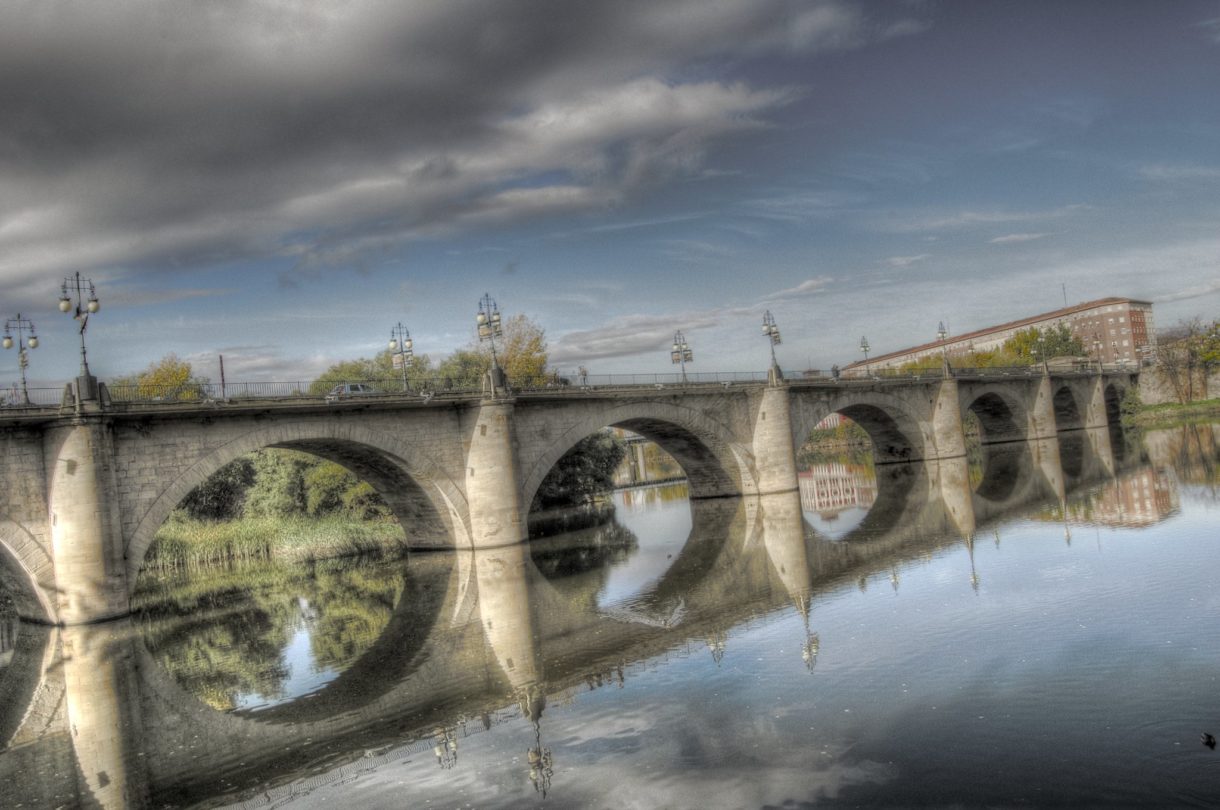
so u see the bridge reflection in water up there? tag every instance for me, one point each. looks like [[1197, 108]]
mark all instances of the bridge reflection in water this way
[[479, 639]]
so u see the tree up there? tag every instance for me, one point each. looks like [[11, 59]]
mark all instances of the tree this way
[[585, 472], [378, 371], [1036, 345], [169, 378], [522, 353], [279, 484], [1185, 353], [223, 495], [463, 369]]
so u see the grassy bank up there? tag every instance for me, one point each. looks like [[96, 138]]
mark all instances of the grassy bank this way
[[1169, 414], [184, 542]]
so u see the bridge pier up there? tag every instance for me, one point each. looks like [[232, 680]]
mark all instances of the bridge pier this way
[[947, 432], [1097, 425], [774, 456], [491, 478], [1044, 437], [86, 537]]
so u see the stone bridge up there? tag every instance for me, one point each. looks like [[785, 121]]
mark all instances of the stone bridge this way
[[84, 489], [475, 633]]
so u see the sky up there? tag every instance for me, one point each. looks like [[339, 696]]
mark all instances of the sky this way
[[281, 183]]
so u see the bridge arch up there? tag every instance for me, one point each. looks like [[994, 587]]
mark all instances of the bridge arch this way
[[1002, 416], [23, 560], [414, 488], [1068, 412], [701, 446], [897, 432]]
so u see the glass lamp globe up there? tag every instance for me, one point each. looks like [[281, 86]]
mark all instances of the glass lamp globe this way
[[93, 305], [32, 342], [8, 342], [65, 304]]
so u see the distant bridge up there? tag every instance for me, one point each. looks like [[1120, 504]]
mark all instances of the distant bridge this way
[[84, 486]]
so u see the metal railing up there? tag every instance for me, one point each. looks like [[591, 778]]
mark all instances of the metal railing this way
[[438, 386]]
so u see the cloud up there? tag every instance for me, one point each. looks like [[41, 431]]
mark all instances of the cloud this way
[[905, 261], [1016, 237], [195, 134], [1178, 172], [1212, 28], [967, 219], [646, 334]]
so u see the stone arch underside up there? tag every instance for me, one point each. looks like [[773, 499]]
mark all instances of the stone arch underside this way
[[1001, 418], [897, 431], [26, 573], [1068, 413], [430, 508], [1113, 395], [701, 447], [895, 438]]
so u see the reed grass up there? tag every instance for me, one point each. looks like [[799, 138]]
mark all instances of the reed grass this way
[[183, 543]]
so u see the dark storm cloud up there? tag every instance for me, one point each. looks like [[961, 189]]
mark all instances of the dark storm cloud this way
[[177, 134]]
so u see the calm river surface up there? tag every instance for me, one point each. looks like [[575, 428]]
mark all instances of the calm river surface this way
[[1027, 631]]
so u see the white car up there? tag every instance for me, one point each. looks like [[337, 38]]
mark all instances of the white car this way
[[348, 390]]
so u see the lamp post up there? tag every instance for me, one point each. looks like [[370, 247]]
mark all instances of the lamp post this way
[[681, 353], [941, 334], [21, 325], [488, 321], [401, 349], [771, 332], [74, 287], [864, 347]]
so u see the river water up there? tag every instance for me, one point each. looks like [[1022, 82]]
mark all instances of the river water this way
[[1015, 632]]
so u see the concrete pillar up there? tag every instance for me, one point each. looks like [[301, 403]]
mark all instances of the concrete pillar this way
[[947, 432], [1042, 411], [491, 479], [103, 713], [1097, 425], [86, 537], [774, 457], [1095, 413]]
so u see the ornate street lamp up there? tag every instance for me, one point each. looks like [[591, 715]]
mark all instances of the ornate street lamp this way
[[21, 325], [402, 350], [488, 322], [864, 347], [941, 334], [681, 353], [74, 287], [771, 332]]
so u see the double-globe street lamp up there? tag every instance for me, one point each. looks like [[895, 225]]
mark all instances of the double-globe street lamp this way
[[864, 347], [21, 325], [681, 353], [488, 321], [75, 286], [401, 350], [771, 333]]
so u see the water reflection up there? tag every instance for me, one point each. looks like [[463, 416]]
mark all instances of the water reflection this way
[[500, 670]]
